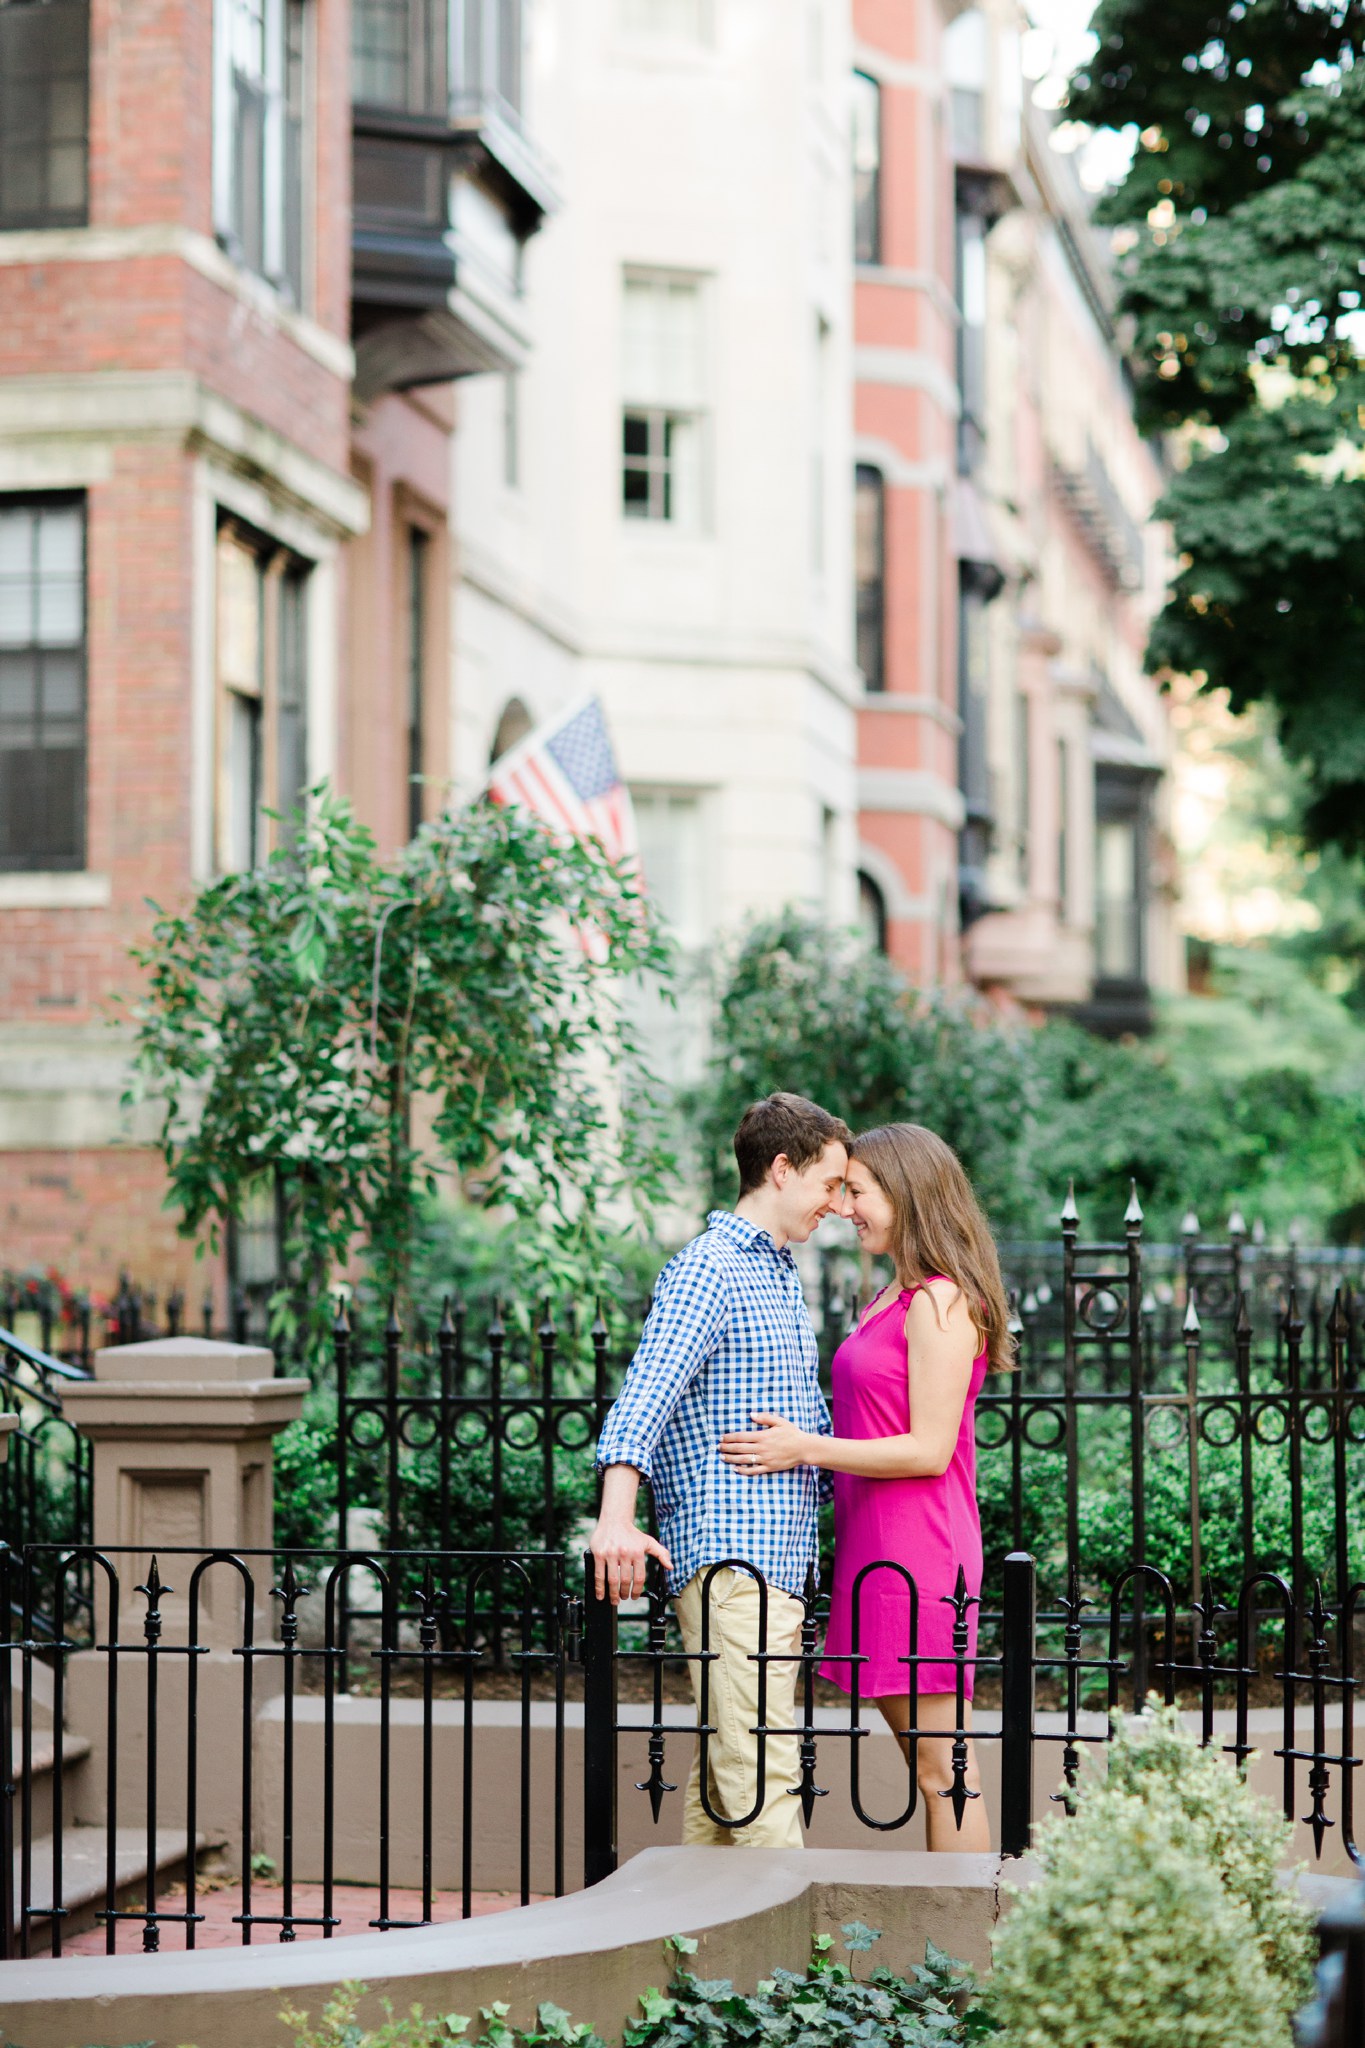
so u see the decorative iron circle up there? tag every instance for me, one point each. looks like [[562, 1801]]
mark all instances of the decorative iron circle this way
[[1308, 1425], [1168, 1427], [1033, 1417], [1275, 1412], [579, 1434], [419, 1428], [471, 1428], [1355, 1422], [516, 1422], [1227, 1416], [1104, 1307], [997, 1418], [366, 1427]]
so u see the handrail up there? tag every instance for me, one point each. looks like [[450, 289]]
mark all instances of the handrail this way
[[43, 1361]]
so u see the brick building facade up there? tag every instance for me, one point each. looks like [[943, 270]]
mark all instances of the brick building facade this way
[[226, 404]]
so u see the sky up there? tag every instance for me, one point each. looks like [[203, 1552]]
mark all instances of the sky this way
[[1059, 40]]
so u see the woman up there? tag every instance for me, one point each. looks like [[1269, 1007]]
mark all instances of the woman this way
[[903, 1450]]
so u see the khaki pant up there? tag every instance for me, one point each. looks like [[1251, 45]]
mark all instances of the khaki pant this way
[[732, 1710]]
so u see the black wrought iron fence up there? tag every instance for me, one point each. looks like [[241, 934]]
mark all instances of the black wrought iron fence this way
[[192, 1765], [198, 1716], [1230, 1445], [1198, 1407], [1215, 1658]]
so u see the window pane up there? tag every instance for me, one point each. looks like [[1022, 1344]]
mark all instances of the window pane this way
[[869, 574], [16, 579], [63, 684], [292, 716], [44, 60], [1117, 947], [18, 686], [42, 684], [867, 164], [636, 434], [240, 616], [59, 611], [662, 342], [244, 761], [682, 495]]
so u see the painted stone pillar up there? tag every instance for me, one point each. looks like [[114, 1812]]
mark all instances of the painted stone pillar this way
[[182, 1431]]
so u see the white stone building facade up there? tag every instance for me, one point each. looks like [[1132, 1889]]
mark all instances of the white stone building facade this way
[[658, 507]]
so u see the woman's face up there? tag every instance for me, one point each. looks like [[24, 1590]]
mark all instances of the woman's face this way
[[867, 1208]]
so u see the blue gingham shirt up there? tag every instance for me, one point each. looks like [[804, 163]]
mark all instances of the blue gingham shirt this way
[[728, 1337]]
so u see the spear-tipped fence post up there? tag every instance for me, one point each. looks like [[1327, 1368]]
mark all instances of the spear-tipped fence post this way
[[445, 1356], [341, 1354], [1018, 1650], [497, 1339], [1137, 1422], [1070, 1226], [393, 1357], [1338, 1336], [1241, 1351], [599, 1731], [1292, 1328], [1191, 1333], [547, 1337]]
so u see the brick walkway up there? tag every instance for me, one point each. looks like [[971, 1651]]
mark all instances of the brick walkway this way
[[354, 1905]]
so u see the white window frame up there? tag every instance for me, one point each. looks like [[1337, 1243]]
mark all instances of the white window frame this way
[[661, 413], [275, 87]]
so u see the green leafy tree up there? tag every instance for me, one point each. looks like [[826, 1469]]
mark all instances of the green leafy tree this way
[[802, 1007], [357, 1030], [1244, 284], [1251, 1098]]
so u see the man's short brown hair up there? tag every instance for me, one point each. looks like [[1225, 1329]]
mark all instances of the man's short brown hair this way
[[787, 1124]]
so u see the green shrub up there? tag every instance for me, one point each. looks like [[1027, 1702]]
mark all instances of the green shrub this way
[[824, 2007], [1158, 1921]]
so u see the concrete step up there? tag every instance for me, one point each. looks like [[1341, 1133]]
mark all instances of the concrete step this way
[[84, 1851], [43, 1757]]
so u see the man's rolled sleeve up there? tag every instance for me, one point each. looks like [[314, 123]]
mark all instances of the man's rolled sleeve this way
[[680, 1334]]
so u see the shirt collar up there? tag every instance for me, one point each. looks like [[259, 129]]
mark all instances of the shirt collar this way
[[747, 1236]]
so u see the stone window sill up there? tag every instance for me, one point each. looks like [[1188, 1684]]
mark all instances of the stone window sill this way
[[58, 890]]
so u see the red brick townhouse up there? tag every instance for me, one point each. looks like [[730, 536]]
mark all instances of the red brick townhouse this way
[[246, 247]]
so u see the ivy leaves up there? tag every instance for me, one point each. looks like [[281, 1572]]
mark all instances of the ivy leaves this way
[[357, 1031], [824, 2007]]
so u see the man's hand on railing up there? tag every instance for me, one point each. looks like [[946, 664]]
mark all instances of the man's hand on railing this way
[[620, 1554]]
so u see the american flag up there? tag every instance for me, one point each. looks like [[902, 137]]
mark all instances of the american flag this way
[[565, 771]]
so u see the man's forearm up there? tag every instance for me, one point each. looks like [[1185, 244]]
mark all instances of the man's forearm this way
[[620, 1491]]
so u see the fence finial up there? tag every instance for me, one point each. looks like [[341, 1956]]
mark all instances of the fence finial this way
[[1338, 1323], [1133, 1213], [1191, 1325], [446, 1326], [341, 1322], [1241, 1321], [1070, 1214], [1189, 1224], [393, 1328], [1237, 1225]]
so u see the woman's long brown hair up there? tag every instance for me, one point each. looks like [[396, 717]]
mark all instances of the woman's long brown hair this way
[[939, 1227]]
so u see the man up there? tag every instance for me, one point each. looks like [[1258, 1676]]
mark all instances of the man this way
[[729, 1338]]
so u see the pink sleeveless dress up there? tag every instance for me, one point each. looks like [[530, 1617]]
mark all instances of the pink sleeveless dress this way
[[929, 1525]]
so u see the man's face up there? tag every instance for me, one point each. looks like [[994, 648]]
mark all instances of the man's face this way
[[812, 1192]]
